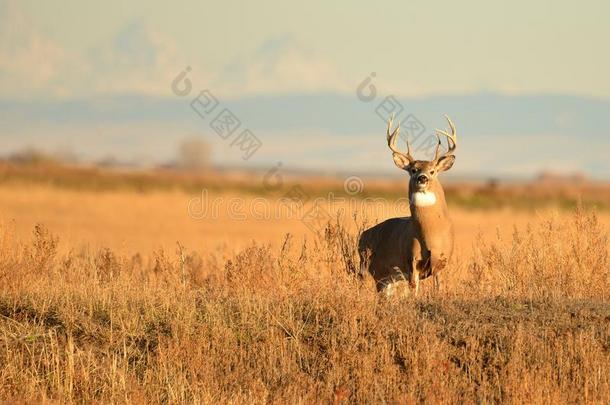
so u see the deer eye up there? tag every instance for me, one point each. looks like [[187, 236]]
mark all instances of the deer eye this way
[[432, 172]]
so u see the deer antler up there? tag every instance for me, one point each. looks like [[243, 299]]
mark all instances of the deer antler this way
[[451, 140], [392, 141]]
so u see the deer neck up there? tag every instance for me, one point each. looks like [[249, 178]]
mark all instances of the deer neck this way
[[429, 210]]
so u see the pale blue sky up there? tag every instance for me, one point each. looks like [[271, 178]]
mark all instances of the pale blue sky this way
[[525, 78], [415, 47]]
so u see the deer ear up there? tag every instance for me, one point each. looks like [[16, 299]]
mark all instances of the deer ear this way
[[401, 161], [445, 163]]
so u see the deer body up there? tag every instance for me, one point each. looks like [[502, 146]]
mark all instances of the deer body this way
[[416, 247]]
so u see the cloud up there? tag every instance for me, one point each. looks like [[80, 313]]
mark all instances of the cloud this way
[[29, 62], [282, 65], [138, 60]]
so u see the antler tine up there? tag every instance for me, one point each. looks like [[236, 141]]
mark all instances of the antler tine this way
[[451, 139], [392, 140]]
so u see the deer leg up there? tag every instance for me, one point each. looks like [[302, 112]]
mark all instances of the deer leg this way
[[437, 283], [414, 277], [436, 265]]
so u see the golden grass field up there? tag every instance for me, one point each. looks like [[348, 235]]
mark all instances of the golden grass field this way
[[112, 290]]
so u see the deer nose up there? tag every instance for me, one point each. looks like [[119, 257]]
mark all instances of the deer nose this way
[[422, 179]]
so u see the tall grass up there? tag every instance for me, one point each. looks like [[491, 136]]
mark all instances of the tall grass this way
[[526, 320], [558, 259]]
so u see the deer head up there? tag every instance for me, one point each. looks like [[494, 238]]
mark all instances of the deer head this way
[[424, 183]]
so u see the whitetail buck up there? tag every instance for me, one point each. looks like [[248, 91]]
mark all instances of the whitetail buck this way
[[416, 247]]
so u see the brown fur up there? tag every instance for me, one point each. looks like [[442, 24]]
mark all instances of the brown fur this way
[[394, 249]]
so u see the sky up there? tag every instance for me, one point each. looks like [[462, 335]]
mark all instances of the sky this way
[[82, 56]]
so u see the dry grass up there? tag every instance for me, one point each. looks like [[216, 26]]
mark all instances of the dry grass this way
[[100, 304], [490, 194], [523, 319]]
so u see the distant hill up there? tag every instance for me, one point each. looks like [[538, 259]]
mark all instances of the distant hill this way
[[483, 113], [499, 134]]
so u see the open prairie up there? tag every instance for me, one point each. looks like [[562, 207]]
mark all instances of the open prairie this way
[[119, 287], [271, 202]]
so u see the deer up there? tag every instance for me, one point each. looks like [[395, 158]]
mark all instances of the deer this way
[[416, 247]]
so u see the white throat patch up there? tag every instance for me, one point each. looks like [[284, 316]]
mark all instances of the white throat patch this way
[[423, 198]]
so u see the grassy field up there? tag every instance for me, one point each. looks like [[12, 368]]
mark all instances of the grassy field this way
[[120, 287]]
